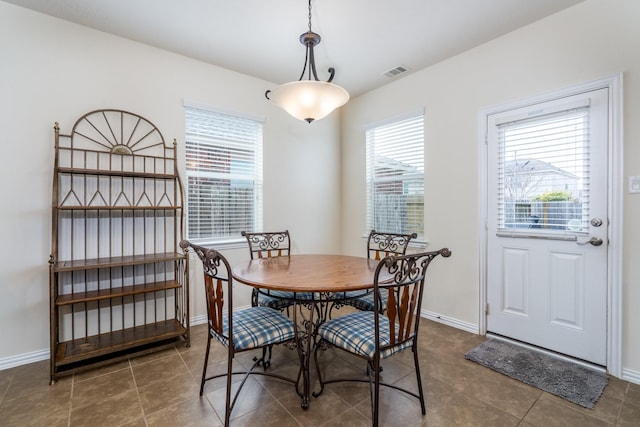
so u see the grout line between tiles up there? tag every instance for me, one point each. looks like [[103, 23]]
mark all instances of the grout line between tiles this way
[[73, 384], [135, 384]]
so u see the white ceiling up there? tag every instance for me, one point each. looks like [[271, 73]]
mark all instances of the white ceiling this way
[[362, 39]]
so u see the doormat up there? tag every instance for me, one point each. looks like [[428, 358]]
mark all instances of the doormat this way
[[571, 381]]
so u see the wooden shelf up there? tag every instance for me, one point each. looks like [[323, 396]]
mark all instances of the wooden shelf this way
[[118, 292], [107, 262], [69, 352]]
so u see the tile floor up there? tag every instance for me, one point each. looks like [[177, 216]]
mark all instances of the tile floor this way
[[162, 390]]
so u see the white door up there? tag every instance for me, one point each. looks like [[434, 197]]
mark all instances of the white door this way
[[547, 225]]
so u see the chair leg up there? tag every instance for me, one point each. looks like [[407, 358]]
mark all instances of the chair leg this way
[[227, 408], [264, 361], [419, 378], [376, 393], [206, 361]]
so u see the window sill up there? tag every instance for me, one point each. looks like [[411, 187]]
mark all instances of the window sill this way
[[222, 244]]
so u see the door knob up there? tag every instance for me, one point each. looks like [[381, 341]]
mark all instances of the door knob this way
[[593, 240]]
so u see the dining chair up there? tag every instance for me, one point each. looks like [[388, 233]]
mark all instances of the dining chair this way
[[267, 245], [374, 335], [251, 328], [379, 245]]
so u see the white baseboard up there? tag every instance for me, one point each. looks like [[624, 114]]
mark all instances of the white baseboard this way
[[198, 320], [450, 321], [631, 376], [23, 359]]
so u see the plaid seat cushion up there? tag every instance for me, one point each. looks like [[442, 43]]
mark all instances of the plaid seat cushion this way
[[280, 299], [256, 327], [355, 333], [363, 302]]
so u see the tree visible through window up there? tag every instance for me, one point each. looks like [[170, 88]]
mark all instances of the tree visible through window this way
[[224, 175], [395, 176]]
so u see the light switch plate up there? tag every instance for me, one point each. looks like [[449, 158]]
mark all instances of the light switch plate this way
[[634, 184]]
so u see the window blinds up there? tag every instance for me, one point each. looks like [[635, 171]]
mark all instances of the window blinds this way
[[224, 174], [543, 175], [395, 176]]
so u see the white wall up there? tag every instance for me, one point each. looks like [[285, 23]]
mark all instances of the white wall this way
[[594, 39], [53, 70]]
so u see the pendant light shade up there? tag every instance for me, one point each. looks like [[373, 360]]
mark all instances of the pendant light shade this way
[[310, 99]]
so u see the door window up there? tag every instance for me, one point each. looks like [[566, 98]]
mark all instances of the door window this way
[[543, 170]]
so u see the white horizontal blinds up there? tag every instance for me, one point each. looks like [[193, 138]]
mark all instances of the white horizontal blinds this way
[[395, 176], [224, 174], [544, 171]]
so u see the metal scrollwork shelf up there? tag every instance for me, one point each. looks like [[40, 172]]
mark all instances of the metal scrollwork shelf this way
[[118, 279]]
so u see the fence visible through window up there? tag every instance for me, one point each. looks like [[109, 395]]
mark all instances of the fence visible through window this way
[[558, 215]]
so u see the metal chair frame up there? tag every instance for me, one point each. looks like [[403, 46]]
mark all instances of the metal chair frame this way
[[379, 245], [382, 244], [268, 244], [403, 276], [218, 282]]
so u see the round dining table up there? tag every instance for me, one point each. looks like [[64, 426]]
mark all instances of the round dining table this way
[[319, 280], [308, 273]]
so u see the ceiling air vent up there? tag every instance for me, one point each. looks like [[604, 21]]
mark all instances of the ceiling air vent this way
[[395, 71]]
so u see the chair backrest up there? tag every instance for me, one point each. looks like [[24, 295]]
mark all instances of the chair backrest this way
[[380, 245], [268, 244], [218, 285], [403, 276]]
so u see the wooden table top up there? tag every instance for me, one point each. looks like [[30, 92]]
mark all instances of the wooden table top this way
[[308, 273]]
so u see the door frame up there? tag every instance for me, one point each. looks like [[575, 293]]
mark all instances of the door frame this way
[[615, 192]]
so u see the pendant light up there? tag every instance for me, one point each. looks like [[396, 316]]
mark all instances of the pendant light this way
[[309, 99]]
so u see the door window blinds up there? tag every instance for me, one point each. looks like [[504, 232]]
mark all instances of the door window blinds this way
[[224, 175], [543, 170], [395, 176]]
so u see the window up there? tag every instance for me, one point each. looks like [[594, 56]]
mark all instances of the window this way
[[224, 175], [543, 169], [395, 176]]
